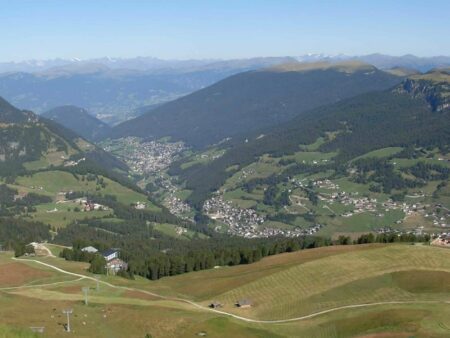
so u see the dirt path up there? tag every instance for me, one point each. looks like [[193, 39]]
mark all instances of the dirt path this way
[[327, 207], [250, 320], [42, 247], [39, 285]]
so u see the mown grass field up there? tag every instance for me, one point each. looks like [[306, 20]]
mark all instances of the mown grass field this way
[[380, 153], [202, 158], [282, 286], [360, 223], [354, 277]]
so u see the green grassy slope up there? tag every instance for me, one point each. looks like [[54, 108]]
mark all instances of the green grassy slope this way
[[280, 286], [359, 277]]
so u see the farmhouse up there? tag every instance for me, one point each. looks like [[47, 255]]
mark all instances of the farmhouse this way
[[215, 305], [140, 206], [110, 254], [244, 303], [113, 262], [116, 264], [89, 249]]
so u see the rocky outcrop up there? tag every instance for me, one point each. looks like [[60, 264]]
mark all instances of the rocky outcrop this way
[[437, 94]]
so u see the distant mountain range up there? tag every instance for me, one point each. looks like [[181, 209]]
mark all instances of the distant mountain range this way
[[382, 61], [116, 94], [116, 89], [256, 99]]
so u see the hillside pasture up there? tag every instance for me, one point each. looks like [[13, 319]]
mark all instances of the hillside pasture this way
[[339, 280], [14, 273], [263, 168], [62, 214], [310, 157], [380, 153], [51, 183], [283, 286], [203, 285], [363, 223]]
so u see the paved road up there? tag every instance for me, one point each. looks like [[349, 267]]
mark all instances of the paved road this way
[[202, 307]]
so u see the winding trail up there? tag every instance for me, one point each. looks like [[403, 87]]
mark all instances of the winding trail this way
[[204, 308], [40, 246]]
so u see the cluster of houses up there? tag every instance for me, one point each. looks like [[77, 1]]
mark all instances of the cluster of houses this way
[[87, 205], [244, 173], [266, 232], [209, 156], [111, 256], [359, 204], [139, 205], [325, 184], [442, 239], [241, 222], [177, 206], [74, 163], [180, 231], [147, 157], [440, 216], [247, 223]]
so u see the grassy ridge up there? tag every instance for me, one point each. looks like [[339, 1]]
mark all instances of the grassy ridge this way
[[327, 283]]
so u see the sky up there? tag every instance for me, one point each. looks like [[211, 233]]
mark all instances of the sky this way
[[193, 29]]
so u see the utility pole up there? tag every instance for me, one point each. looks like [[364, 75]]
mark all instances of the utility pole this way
[[68, 312], [85, 291]]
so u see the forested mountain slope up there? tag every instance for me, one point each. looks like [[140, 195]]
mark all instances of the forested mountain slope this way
[[253, 100], [30, 142], [78, 120], [416, 112]]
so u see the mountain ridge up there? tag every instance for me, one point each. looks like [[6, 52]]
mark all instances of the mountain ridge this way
[[252, 100], [79, 120], [33, 142], [366, 122]]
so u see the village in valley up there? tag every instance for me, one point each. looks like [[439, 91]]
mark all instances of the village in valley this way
[[339, 205], [145, 157], [246, 222], [151, 159]]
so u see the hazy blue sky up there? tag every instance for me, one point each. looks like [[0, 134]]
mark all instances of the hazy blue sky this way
[[220, 29]]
